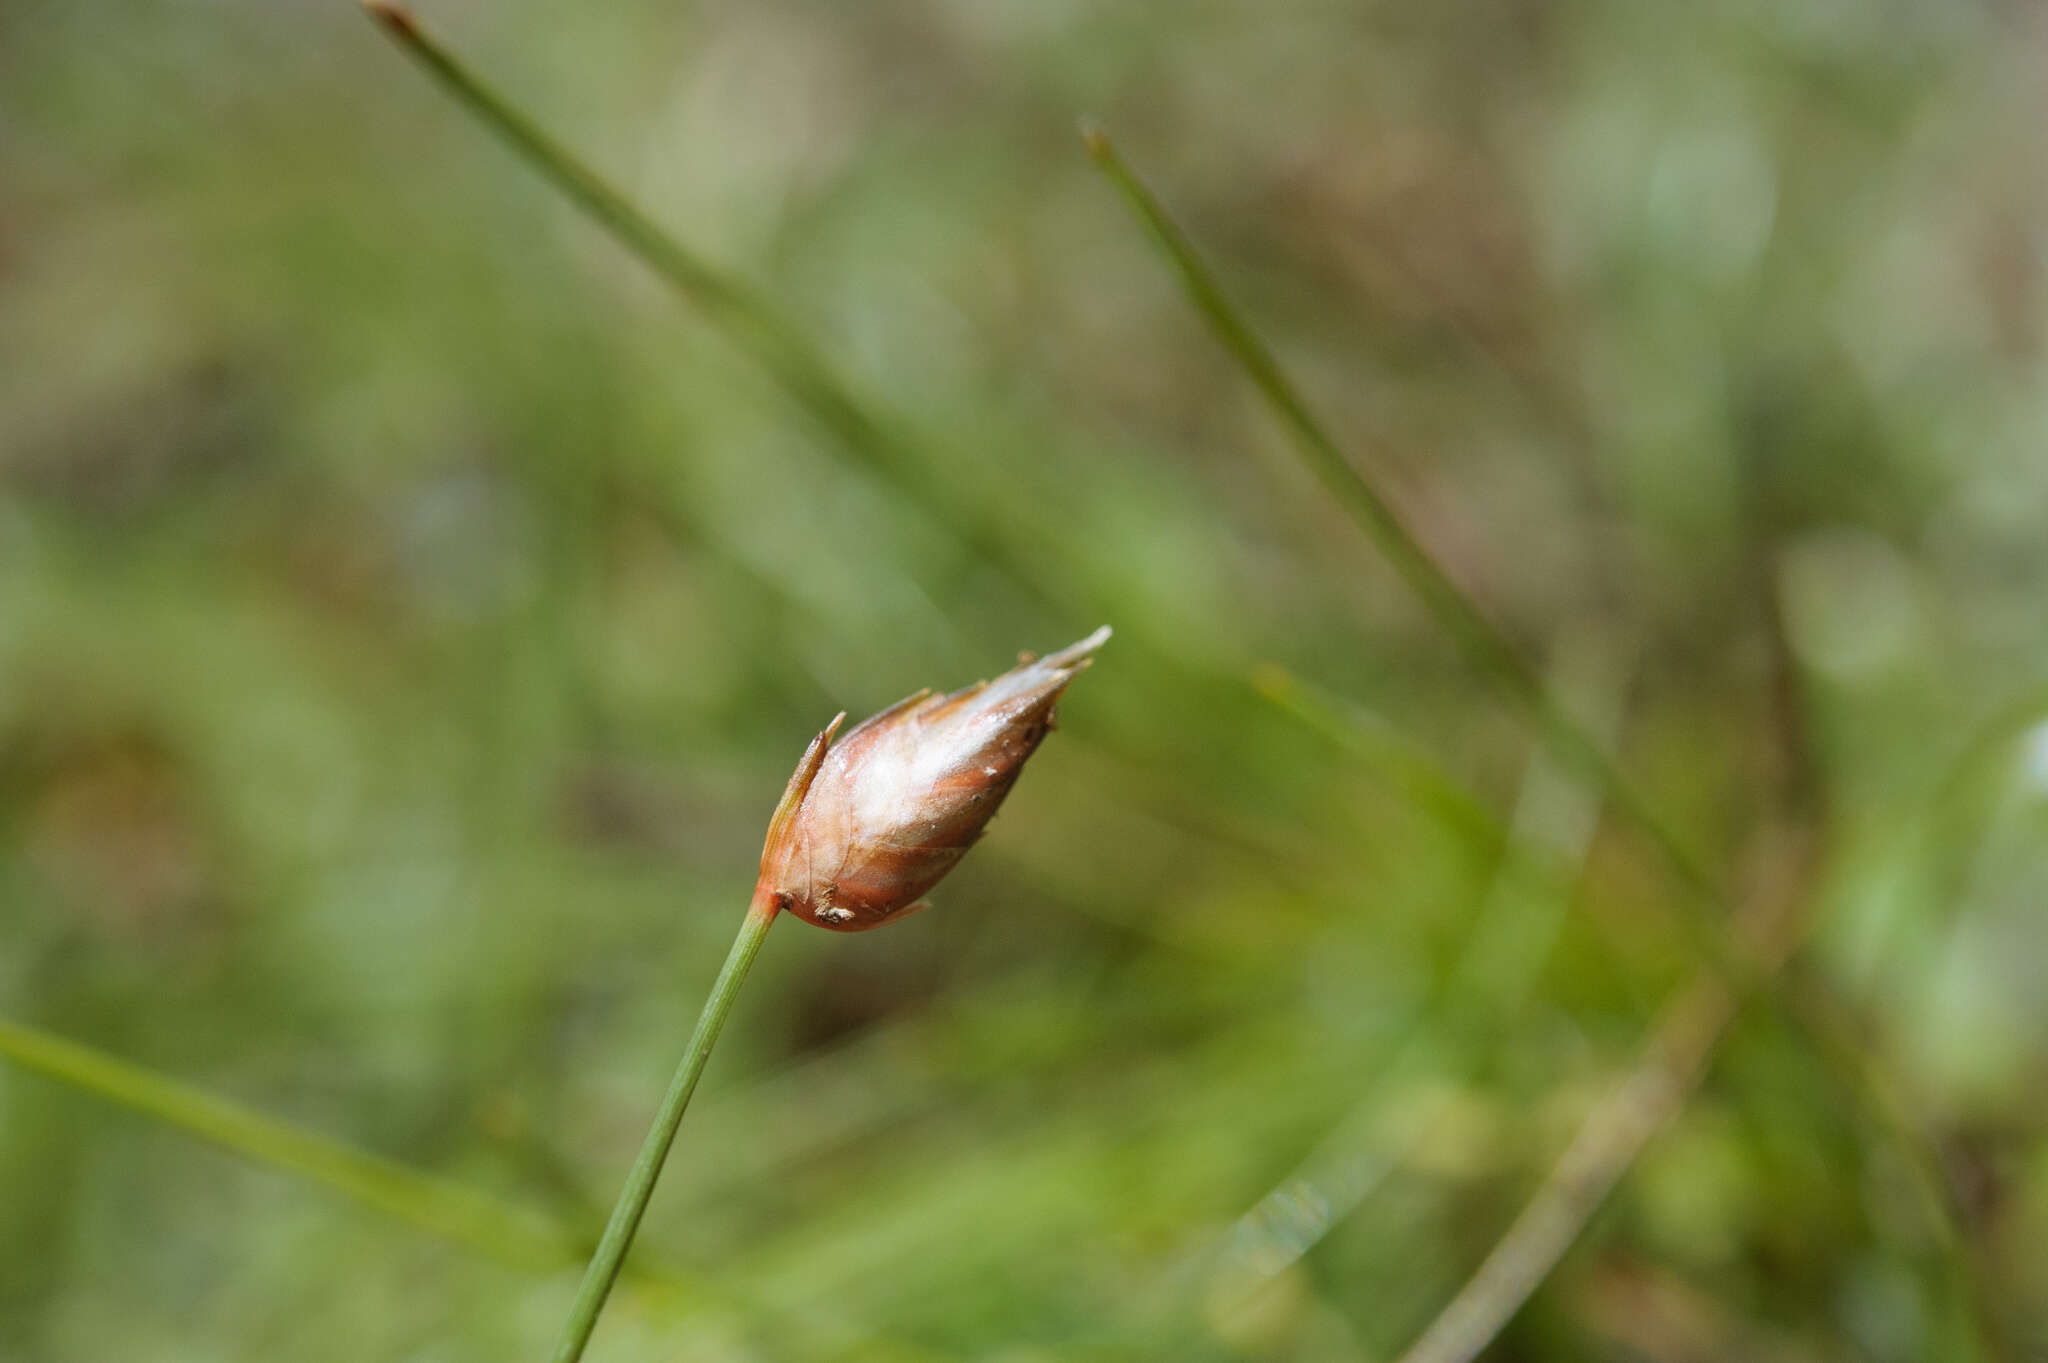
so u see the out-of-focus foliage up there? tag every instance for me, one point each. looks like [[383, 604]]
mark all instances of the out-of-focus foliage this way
[[409, 613]]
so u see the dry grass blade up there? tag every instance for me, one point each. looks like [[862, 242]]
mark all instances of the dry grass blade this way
[[1607, 1144], [1767, 929], [1615, 1132]]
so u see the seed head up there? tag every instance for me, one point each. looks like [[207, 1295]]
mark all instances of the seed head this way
[[871, 823]]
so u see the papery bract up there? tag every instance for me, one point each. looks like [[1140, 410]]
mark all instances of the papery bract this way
[[869, 824]]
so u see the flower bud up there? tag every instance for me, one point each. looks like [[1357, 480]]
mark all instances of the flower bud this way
[[871, 823]]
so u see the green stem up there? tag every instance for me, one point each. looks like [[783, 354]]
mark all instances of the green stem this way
[[742, 312], [1482, 642], [1825, 1020], [738, 308], [632, 1205]]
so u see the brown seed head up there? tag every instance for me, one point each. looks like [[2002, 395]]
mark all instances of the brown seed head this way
[[871, 823]]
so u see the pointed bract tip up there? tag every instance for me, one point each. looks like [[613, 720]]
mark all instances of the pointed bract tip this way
[[1075, 655], [1093, 137], [799, 786]]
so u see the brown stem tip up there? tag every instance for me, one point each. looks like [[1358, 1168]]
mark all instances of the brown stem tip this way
[[871, 823], [395, 17]]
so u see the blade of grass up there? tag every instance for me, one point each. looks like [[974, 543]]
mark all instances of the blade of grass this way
[[1485, 987], [516, 1237], [444, 1208], [1482, 642], [1485, 646], [1617, 1129], [1405, 764], [1825, 1021], [744, 314], [749, 317], [1768, 929], [754, 322], [1606, 1145]]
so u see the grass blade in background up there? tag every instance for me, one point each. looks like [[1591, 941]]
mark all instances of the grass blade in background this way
[[750, 318], [441, 1207], [517, 1237], [1542, 858], [1477, 636], [745, 315], [1823, 1019], [1646, 1100], [1488, 650]]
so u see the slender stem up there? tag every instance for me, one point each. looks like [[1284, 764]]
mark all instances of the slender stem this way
[[737, 307], [1485, 646], [1482, 641], [1606, 1145], [1825, 1020], [1615, 1131], [1403, 763], [742, 312], [632, 1204], [1373, 511]]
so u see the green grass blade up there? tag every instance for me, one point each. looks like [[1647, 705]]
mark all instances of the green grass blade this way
[[1406, 766], [514, 1236], [745, 315], [1817, 1013], [1374, 513], [751, 318], [439, 1206], [1482, 642]]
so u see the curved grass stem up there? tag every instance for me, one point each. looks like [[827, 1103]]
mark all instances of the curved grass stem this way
[[632, 1204]]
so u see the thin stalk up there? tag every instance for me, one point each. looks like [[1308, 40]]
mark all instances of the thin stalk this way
[[1614, 1133], [632, 1205], [1824, 1020], [1019, 553], [514, 1236], [1482, 642], [1506, 944], [1404, 764], [1486, 648], [742, 312], [758, 324], [1681, 1046], [1608, 1141]]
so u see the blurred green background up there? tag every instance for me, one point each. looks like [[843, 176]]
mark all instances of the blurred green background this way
[[410, 611]]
